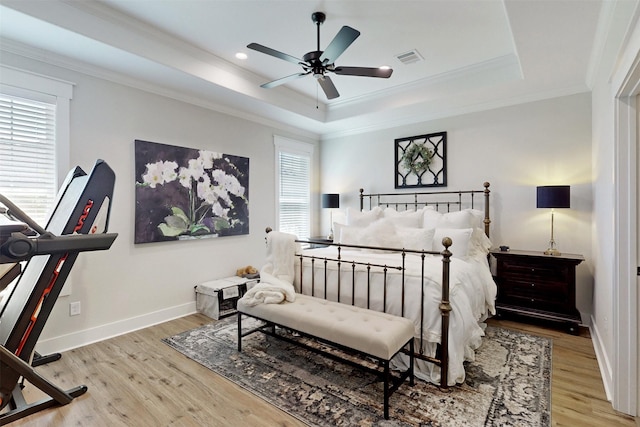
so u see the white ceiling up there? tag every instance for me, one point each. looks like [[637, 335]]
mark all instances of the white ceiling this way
[[477, 53]]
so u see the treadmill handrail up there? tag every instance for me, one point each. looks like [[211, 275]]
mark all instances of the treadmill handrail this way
[[20, 215], [19, 247]]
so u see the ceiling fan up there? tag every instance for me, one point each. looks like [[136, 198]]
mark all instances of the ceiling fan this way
[[319, 63]]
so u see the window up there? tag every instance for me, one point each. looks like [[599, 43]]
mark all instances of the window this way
[[27, 154], [293, 186], [34, 134]]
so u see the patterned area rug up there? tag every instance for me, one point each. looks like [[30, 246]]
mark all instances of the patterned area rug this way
[[507, 385]]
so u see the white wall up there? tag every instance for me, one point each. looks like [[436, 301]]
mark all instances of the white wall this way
[[515, 149], [613, 318], [131, 286], [623, 18]]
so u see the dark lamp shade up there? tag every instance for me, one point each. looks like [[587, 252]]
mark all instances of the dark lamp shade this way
[[554, 196], [331, 200]]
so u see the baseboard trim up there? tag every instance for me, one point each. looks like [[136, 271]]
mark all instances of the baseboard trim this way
[[100, 333], [606, 371]]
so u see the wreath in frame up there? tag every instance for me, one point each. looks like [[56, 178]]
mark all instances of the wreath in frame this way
[[421, 161], [417, 158]]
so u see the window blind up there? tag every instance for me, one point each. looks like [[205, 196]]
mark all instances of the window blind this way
[[293, 196], [27, 155]]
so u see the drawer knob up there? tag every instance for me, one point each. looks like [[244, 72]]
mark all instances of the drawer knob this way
[[533, 300], [533, 285]]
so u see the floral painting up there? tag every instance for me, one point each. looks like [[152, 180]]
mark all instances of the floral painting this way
[[185, 193]]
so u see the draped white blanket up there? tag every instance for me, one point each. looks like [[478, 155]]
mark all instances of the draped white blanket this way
[[276, 276], [270, 290]]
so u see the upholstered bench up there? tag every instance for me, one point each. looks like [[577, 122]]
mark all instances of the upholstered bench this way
[[371, 333]]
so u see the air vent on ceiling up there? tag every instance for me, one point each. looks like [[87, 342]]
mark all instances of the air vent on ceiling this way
[[410, 57]]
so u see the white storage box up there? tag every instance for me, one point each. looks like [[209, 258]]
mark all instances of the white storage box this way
[[219, 298]]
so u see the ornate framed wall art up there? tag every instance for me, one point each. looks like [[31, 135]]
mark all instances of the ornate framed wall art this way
[[421, 161], [185, 193]]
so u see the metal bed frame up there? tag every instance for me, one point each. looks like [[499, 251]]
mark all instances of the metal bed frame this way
[[442, 201]]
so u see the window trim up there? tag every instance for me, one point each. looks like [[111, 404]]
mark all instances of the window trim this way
[[288, 145]]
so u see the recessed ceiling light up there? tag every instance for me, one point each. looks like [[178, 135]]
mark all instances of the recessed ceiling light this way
[[241, 55]]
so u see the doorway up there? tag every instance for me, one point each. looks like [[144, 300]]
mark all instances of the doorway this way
[[626, 321]]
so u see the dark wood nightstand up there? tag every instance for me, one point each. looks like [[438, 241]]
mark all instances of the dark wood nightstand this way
[[536, 285]]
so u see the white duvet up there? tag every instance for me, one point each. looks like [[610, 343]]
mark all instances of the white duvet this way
[[472, 295]]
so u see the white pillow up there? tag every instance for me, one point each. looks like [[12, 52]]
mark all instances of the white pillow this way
[[381, 233], [466, 218], [350, 235], [363, 218], [339, 215], [460, 238], [409, 218], [417, 239], [477, 218], [337, 231], [479, 243], [456, 219]]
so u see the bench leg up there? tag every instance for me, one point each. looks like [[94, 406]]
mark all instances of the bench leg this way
[[387, 376], [411, 358], [239, 331]]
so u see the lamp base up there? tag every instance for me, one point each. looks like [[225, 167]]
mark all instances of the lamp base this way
[[552, 251]]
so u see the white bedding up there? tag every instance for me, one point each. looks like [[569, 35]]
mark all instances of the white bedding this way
[[472, 296]]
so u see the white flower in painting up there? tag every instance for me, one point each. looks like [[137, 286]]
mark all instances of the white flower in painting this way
[[160, 173], [169, 173], [153, 175], [232, 185], [195, 169], [203, 189], [220, 194], [207, 157], [184, 177], [219, 211], [228, 182]]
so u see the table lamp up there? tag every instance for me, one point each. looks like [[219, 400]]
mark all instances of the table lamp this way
[[331, 201], [553, 196]]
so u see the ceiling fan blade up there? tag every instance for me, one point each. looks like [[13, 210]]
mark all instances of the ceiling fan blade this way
[[273, 52], [339, 44], [328, 87], [364, 72], [283, 80]]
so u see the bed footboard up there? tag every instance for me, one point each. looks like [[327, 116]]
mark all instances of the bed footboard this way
[[334, 278]]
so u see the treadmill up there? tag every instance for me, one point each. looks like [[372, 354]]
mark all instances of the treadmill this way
[[34, 265]]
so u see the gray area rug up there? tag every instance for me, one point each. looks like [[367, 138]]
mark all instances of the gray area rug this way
[[507, 385]]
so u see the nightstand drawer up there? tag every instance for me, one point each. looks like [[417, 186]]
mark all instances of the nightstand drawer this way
[[534, 294], [517, 269]]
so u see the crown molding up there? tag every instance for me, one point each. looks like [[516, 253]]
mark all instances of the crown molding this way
[[49, 58], [430, 112]]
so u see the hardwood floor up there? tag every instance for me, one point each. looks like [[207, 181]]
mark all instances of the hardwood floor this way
[[577, 392], [136, 380]]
